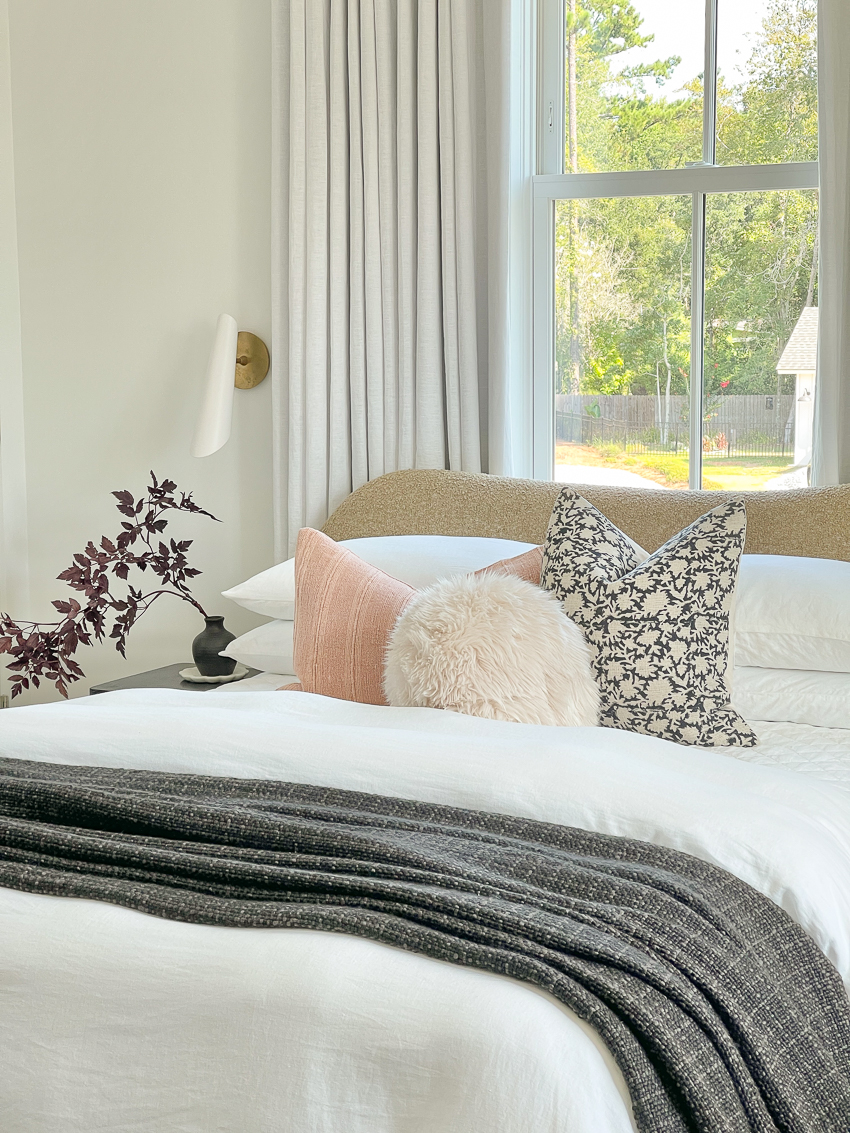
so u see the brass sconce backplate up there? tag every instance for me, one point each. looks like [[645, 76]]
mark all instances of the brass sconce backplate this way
[[252, 360]]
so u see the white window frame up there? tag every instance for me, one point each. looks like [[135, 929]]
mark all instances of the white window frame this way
[[551, 184]]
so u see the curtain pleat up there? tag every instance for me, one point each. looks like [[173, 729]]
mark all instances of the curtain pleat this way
[[429, 413], [408, 160], [281, 153], [297, 258], [463, 87], [358, 439], [340, 414], [449, 231], [387, 98], [831, 450], [380, 275], [372, 243]]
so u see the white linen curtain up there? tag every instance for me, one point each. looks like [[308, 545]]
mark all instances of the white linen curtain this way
[[388, 208], [831, 452]]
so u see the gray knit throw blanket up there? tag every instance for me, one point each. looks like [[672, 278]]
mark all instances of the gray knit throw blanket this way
[[721, 1012]]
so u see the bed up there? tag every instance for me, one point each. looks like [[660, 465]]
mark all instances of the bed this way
[[114, 1020]]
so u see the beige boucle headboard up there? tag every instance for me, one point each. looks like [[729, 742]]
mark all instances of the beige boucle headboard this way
[[812, 522]]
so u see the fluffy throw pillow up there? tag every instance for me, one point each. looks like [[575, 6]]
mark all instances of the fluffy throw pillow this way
[[658, 630], [491, 645], [345, 612]]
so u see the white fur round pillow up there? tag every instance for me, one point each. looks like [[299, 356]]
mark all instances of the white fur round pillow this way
[[495, 646]]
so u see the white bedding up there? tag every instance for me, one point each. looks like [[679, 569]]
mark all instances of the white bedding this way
[[821, 753], [112, 1020]]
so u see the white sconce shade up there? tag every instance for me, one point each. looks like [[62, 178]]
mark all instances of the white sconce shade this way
[[216, 415]]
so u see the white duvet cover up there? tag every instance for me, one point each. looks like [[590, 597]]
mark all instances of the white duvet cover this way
[[113, 1020]]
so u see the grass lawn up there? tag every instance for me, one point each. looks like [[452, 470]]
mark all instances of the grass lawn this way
[[742, 473]]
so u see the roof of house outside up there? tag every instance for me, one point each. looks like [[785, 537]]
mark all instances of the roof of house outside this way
[[800, 355]]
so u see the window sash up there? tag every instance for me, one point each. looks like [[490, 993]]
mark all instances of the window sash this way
[[552, 184], [677, 182]]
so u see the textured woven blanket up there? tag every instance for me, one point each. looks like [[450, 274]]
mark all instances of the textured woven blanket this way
[[721, 1012]]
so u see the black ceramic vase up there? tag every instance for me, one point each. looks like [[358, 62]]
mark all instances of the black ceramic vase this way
[[207, 646]]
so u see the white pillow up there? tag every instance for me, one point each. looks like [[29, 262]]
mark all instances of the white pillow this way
[[418, 560], [268, 647], [793, 695], [793, 613]]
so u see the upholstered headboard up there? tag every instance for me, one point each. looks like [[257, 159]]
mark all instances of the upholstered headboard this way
[[808, 521]]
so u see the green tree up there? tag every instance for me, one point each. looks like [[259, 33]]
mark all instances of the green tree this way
[[622, 290]]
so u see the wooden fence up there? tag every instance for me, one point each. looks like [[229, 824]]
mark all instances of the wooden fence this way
[[735, 425]]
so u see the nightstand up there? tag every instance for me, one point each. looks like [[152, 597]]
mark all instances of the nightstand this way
[[166, 677]]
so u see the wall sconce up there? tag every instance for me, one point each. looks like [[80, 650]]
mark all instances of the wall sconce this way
[[238, 359]]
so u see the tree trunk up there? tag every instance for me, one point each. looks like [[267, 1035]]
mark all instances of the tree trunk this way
[[572, 86], [575, 311], [667, 390], [659, 416]]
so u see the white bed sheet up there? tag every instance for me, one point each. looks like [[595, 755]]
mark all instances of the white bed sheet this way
[[115, 1020], [821, 753]]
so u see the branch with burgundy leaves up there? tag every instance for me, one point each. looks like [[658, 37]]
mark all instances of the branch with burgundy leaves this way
[[44, 651]]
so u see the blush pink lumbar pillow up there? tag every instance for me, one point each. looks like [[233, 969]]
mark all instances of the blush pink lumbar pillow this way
[[528, 566], [495, 645], [345, 610]]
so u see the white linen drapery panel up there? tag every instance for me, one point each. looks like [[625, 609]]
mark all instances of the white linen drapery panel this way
[[831, 456], [382, 214]]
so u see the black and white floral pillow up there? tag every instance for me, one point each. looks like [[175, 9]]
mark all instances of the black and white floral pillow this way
[[658, 629]]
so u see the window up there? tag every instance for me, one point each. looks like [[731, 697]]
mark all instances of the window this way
[[676, 242]]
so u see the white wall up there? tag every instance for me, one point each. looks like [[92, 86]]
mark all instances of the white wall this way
[[141, 208]]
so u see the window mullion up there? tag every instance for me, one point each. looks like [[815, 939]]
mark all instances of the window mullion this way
[[709, 153], [697, 368], [709, 86], [543, 337]]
